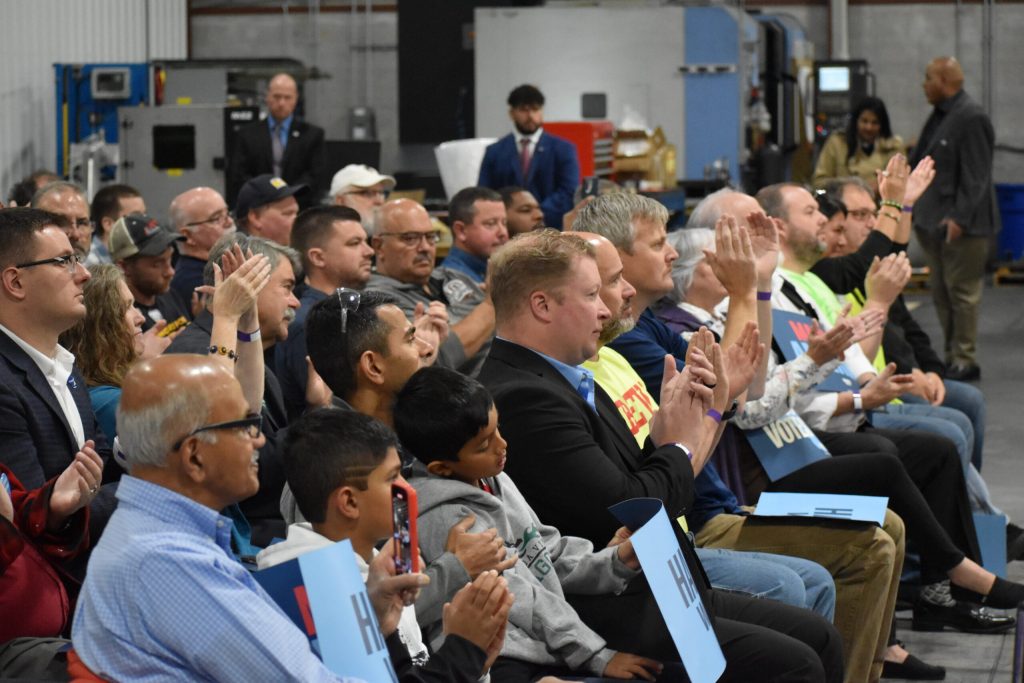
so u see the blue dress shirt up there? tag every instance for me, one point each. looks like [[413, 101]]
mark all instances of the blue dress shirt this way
[[163, 600], [464, 262]]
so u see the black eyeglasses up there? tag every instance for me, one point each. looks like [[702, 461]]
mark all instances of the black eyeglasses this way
[[219, 217], [412, 239], [349, 300], [70, 262], [252, 425]]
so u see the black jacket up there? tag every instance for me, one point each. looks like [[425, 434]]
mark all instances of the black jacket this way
[[303, 161]]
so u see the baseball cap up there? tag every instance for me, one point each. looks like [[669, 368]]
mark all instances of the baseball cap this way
[[262, 190], [140, 235], [358, 175]]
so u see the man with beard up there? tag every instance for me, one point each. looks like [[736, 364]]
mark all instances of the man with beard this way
[[546, 165], [142, 249]]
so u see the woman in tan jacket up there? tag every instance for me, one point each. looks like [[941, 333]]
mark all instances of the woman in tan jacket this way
[[863, 148]]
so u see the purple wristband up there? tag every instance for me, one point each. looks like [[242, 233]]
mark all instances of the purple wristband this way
[[764, 296], [908, 208], [715, 415]]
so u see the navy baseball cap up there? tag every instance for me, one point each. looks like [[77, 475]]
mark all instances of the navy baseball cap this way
[[262, 190]]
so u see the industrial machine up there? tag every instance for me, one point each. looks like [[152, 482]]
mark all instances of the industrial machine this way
[[838, 86], [698, 72]]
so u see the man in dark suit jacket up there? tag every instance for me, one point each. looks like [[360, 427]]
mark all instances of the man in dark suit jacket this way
[[280, 144], [956, 216], [546, 165], [45, 413], [572, 455]]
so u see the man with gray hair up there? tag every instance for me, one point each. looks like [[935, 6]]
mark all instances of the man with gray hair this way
[[276, 307], [68, 200], [163, 595]]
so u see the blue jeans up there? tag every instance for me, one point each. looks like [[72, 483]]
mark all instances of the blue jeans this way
[[950, 423], [969, 400], [791, 580]]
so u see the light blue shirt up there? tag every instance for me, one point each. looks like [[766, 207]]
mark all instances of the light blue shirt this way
[[581, 379], [283, 130], [163, 600]]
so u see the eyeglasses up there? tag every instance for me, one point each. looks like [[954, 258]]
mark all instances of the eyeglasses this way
[[252, 425], [349, 300], [70, 262], [219, 217], [370, 194], [80, 224], [412, 239], [861, 214]]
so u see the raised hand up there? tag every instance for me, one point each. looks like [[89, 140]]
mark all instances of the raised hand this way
[[479, 552], [235, 295], [732, 262], [318, 394], [892, 182], [742, 360], [76, 486], [919, 180], [886, 279], [764, 237], [431, 323]]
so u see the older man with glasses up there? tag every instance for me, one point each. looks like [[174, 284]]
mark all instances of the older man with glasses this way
[[406, 248], [201, 215], [68, 200], [362, 188]]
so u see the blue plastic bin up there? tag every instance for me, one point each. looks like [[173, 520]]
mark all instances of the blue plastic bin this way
[[1011, 208]]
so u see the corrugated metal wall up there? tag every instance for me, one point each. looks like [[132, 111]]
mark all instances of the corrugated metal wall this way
[[35, 34]]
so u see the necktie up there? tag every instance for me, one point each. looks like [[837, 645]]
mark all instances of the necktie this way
[[524, 157], [276, 148]]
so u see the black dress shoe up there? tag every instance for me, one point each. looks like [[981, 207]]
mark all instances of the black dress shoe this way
[[913, 669], [963, 373], [960, 616]]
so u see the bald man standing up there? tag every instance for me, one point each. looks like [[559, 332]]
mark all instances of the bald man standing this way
[[956, 216], [279, 144]]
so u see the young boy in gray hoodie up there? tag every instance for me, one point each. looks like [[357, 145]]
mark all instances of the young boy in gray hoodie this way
[[449, 422]]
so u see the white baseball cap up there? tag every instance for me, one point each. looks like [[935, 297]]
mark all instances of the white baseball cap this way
[[358, 175]]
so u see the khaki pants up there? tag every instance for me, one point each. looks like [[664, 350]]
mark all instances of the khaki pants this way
[[865, 563], [957, 274]]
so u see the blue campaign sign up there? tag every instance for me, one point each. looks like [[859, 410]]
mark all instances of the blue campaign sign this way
[[831, 505], [785, 445], [670, 580], [325, 591], [791, 331]]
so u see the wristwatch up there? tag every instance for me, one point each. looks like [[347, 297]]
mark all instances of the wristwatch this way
[[858, 403]]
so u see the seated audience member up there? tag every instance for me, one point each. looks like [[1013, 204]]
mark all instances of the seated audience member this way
[[41, 531], [340, 466], [332, 244], [68, 200], [108, 204], [380, 351], [267, 207], [405, 243], [259, 331], [143, 249], [202, 218], [362, 188], [477, 217], [792, 580], [163, 597], [450, 423], [522, 209], [23, 191], [867, 579], [44, 404], [863, 149], [572, 456]]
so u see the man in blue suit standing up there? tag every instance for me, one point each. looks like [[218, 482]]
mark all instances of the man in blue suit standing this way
[[544, 164]]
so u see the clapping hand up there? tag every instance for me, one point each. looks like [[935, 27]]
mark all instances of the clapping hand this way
[[892, 182], [732, 261], [76, 486], [919, 180], [764, 237]]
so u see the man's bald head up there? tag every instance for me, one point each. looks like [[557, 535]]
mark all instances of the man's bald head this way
[[943, 78], [165, 398], [405, 242], [282, 96], [717, 204]]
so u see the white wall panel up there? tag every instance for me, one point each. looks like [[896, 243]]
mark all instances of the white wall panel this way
[[35, 34]]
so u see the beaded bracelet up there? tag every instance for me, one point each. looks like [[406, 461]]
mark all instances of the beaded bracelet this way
[[893, 203], [890, 215], [224, 351]]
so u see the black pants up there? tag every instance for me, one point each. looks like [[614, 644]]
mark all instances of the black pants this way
[[762, 640], [921, 475]]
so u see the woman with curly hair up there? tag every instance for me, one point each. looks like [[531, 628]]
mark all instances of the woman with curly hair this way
[[863, 149]]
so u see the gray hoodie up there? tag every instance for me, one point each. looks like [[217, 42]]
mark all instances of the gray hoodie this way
[[543, 628]]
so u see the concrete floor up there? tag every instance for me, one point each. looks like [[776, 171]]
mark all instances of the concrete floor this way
[[973, 658]]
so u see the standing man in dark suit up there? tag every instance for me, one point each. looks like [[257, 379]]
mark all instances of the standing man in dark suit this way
[[956, 216], [45, 414], [545, 165], [279, 145], [572, 455]]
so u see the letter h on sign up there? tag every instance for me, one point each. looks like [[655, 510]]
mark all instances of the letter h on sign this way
[[372, 639], [684, 583]]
